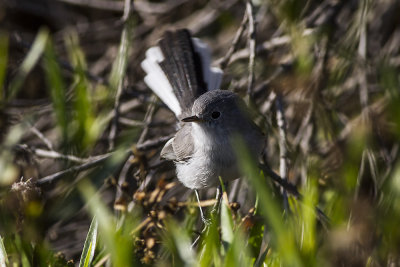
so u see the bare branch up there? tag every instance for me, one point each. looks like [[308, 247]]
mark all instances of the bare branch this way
[[51, 154], [85, 166], [252, 46], [223, 62], [283, 168]]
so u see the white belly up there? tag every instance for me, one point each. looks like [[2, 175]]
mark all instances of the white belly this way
[[211, 159]]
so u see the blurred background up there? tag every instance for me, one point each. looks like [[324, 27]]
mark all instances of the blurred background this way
[[80, 134]]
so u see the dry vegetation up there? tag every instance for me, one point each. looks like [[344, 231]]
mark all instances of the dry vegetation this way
[[80, 134]]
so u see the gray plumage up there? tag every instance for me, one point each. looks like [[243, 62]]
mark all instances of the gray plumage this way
[[179, 151], [202, 147]]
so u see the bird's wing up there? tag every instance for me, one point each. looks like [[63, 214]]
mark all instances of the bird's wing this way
[[181, 147]]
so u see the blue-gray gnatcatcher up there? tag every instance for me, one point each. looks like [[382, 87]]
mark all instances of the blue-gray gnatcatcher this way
[[179, 72]]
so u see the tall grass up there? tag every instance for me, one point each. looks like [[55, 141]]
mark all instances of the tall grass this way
[[342, 110]]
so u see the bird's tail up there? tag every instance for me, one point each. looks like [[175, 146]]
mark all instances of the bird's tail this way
[[179, 70]]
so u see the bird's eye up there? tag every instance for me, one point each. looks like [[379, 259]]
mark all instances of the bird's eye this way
[[215, 115]]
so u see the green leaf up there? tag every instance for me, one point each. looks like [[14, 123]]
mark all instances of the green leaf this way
[[90, 245]]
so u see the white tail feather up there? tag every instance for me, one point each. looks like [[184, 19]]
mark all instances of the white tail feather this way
[[158, 81], [211, 75], [215, 79]]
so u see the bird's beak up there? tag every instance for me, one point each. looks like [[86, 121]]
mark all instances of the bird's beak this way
[[191, 119]]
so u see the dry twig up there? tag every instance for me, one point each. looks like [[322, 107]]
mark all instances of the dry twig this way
[[252, 46]]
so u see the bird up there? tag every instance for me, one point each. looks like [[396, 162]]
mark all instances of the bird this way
[[178, 70]]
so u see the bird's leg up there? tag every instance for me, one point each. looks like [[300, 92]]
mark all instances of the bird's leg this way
[[215, 208], [218, 197], [214, 211], [203, 218]]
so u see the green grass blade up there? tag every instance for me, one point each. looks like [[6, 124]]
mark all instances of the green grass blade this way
[[117, 240], [3, 254], [83, 104], [57, 87], [8, 170], [90, 245], [282, 234], [3, 60], [29, 62], [226, 221], [309, 219], [120, 63], [210, 252], [238, 253], [182, 243]]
